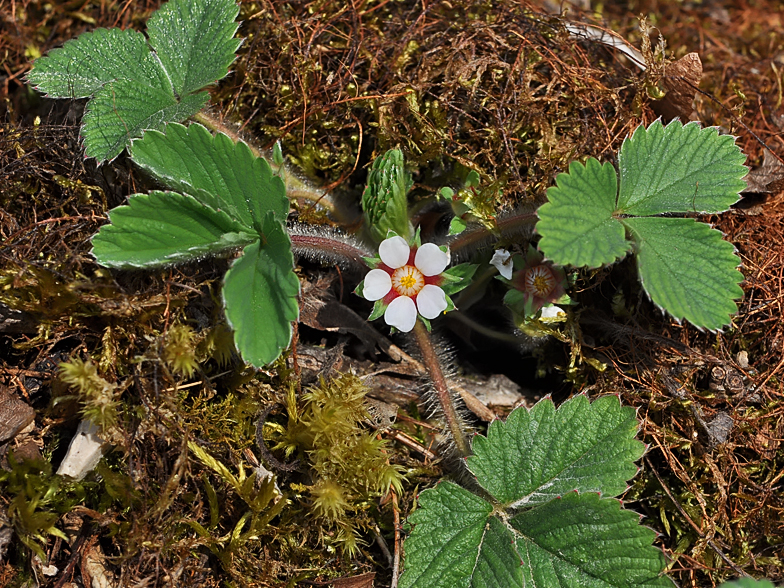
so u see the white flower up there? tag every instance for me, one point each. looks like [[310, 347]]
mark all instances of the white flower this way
[[502, 260], [408, 282], [552, 314]]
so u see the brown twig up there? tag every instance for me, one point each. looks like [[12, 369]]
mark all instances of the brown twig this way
[[396, 559]]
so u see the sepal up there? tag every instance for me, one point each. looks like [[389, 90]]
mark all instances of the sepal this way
[[379, 308], [457, 277]]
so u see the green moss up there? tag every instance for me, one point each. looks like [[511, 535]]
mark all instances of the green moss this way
[[97, 397], [36, 499], [179, 350], [348, 464]]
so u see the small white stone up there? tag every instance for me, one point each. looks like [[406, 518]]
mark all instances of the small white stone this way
[[84, 452]]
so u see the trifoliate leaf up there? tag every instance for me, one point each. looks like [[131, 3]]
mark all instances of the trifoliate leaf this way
[[138, 85], [385, 199], [533, 530], [663, 171], [577, 224], [679, 168], [531, 459], [162, 228], [687, 269], [121, 110], [215, 170], [194, 41], [260, 294], [587, 541]]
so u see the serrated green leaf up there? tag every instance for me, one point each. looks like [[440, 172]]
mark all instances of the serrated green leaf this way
[[135, 89], [121, 110], [678, 168], [442, 549], [747, 583], [82, 66], [498, 563], [577, 224], [162, 228], [582, 540], [260, 294], [688, 269], [542, 453], [572, 540], [664, 170], [215, 170], [194, 41]]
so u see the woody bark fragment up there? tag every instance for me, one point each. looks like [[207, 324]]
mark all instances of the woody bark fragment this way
[[15, 415]]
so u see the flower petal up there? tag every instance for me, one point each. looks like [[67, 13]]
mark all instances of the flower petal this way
[[502, 261], [430, 260], [378, 283], [431, 301], [394, 252], [401, 314], [552, 314]]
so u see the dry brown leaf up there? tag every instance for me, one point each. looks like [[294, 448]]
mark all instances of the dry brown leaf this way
[[767, 178], [15, 415], [681, 78], [361, 581]]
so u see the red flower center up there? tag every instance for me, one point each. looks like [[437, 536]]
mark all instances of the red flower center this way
[[540, 281]]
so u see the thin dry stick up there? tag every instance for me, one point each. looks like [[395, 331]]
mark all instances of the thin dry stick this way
[[771, 374], [396, 560], [699, 532], [430, 359]]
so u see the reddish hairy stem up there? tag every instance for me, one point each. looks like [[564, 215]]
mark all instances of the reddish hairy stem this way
[[507, 226], [334, 249], [430, 360]]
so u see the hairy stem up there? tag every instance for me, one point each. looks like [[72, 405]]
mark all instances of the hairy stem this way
[[327, 248], [430, 359], [508, 226]]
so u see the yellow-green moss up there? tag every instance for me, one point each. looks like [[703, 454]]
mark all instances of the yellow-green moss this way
[[348, 463]]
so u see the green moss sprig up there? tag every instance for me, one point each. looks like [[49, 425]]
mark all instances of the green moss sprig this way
[[97, 397], [348, 464]]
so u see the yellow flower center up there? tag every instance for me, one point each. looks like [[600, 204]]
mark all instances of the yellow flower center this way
[[408, 280], [540, 281]]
